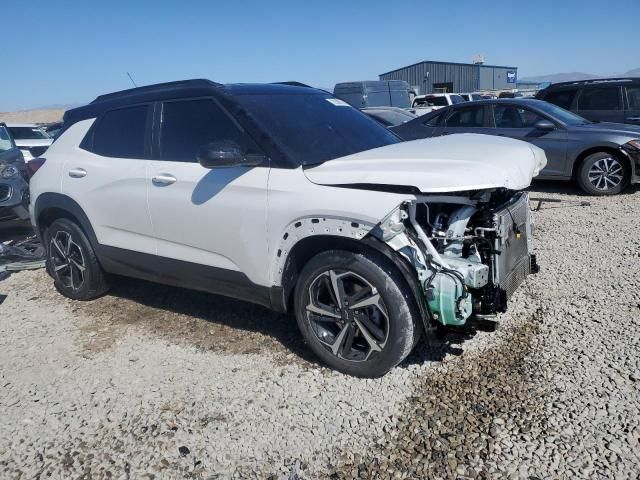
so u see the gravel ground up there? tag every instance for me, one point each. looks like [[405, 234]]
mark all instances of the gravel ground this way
[[157, 382]]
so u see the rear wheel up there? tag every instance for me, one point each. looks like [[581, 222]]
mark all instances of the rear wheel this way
[[72, 262], [603, 173], [356, 312]]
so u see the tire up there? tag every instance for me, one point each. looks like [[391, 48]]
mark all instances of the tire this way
[[68, 253], [376, 324], [603, 173]]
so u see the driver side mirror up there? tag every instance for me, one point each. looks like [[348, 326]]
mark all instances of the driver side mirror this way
[[225, 154], [544, 125]]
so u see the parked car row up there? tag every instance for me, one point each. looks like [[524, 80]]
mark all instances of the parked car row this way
[[602, 157]]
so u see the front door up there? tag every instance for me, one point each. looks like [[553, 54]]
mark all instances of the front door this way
[[207, 217], [519, 122]]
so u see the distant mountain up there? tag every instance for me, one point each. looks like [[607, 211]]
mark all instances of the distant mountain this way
[[573, 76]]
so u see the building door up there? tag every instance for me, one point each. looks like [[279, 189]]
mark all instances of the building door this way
[[444, 87]]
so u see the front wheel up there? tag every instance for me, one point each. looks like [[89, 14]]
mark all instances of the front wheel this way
[[356, 312], [603, 173]]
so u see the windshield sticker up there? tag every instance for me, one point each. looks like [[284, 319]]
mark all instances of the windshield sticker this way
[[337, 102]]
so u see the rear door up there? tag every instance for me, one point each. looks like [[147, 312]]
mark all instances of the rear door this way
[[516, 121], [107, 177], [207, 217], [601, 104], [632, 106]]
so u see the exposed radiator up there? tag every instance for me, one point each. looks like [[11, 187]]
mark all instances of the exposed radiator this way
[[513, 264]]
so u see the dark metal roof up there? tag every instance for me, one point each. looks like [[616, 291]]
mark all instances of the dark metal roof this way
[[448, 63]]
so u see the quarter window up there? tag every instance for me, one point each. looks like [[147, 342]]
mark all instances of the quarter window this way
[[188, 125], [600, 98], [561, 98], [122, 133], [467, 117]]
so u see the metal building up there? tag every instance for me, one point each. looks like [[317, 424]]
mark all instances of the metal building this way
[[446, 77]]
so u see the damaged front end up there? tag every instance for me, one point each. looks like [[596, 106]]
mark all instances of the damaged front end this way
[[470, 251]]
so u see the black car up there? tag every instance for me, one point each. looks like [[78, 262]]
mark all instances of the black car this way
[[14, 189], [602, 100], [602, 157]]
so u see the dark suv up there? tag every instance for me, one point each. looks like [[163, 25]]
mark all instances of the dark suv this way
[[602, 100]]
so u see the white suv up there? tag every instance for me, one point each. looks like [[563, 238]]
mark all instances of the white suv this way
[[285, 196]]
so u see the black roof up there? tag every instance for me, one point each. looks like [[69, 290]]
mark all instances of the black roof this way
[[179, 89], [595, 81]]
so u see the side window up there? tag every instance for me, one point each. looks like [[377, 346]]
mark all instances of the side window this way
[[433, 121], [187, 125], [121, 133], [510, 116], [561, 98], [600, 98], [633, 97], [467, 117]]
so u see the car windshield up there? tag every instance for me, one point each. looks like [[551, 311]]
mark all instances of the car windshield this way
[[6, 143], [28, 133], [564, 116], [313, 128]]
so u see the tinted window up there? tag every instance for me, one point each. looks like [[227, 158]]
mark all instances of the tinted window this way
[[561, 98], [28, 133], [122, 133], [600, 98], [437, 101], [456, 99], [313, 128], [434, 121], [190, 124], [515, 117], [467, 117], [633, 97], [6, 143]]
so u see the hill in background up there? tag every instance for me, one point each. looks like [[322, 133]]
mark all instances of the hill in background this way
[[574, 76]]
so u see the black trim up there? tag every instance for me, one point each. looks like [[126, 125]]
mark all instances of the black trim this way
[[57, 201], [178, 273]]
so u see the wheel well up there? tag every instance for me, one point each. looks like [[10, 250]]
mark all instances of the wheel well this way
[[50, 215], [308, 247], [613, 151]]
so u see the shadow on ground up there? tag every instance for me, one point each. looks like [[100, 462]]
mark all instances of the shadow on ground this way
[[216, 323]]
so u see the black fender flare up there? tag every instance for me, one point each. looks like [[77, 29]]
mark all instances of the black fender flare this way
[[49, 206]]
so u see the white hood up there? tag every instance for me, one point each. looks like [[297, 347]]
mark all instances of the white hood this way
[[36, 142], [443, 164]]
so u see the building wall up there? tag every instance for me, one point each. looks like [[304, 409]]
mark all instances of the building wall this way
[[464, 77]]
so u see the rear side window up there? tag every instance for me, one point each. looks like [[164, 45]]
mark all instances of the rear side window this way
[[633, 97], [434, 121], [188, 125], [467, 117], [561, 98], [121, 133], [600, 98]]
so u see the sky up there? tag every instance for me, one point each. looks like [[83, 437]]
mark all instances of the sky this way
[[69, 51]]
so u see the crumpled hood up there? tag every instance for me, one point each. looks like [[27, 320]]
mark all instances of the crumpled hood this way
[[443, 164]]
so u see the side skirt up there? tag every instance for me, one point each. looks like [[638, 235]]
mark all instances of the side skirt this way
[[178, 273]]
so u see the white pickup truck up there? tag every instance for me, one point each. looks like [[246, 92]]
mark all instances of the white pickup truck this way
[[423, 104]]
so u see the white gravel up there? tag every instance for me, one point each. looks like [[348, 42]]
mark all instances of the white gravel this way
[[155, 380]]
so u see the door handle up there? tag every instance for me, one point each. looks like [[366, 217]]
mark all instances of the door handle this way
[[77, 173], [163, 180], [633, 119]]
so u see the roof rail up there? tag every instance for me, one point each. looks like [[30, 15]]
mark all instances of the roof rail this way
[[293, 83], [594, 81], [155, 87]]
